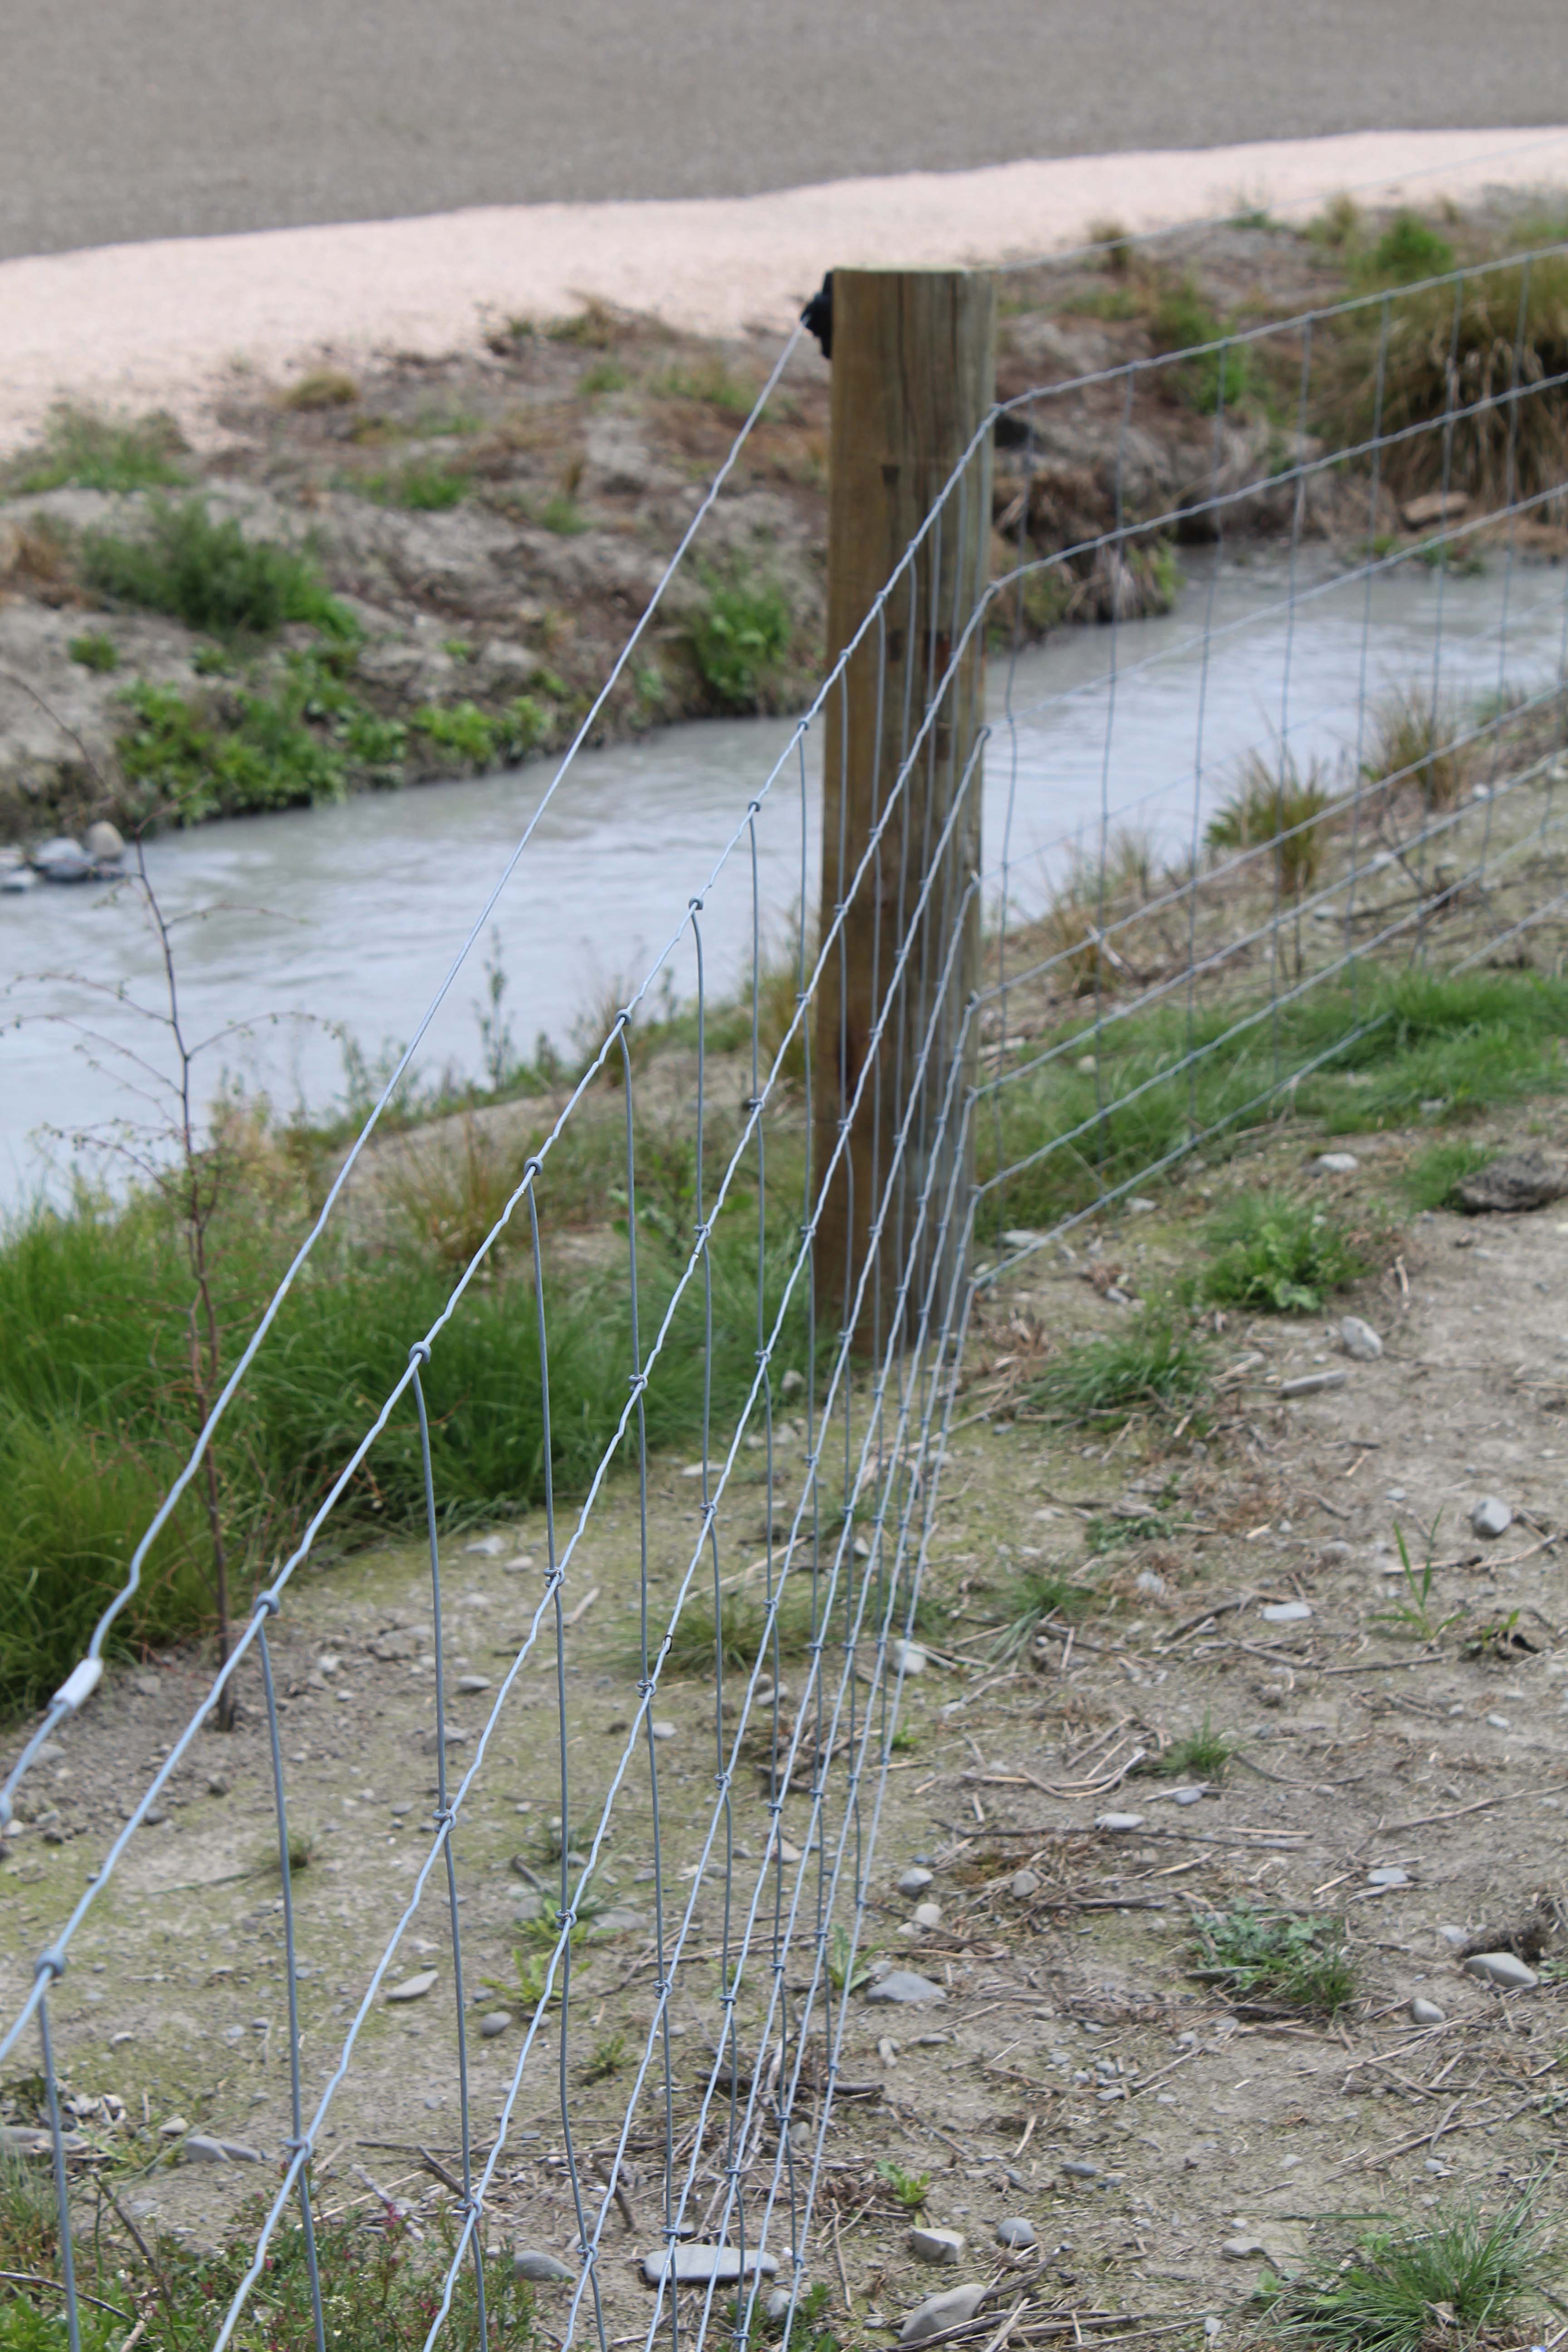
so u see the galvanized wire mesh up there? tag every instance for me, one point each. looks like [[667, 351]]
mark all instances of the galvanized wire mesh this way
[[1118, 977]]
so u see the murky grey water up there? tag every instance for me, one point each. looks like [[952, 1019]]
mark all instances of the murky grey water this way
[[352, 915]]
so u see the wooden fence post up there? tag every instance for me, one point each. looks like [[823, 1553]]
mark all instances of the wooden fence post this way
[[913, 375]]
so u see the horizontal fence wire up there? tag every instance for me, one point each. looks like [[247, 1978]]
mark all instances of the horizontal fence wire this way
[[1141, 1002]]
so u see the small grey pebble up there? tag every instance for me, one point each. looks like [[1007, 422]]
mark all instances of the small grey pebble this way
[[217, 1786], [1015, 2231], [1427, 2012], [1359, 1340], [777, 2303], [543, 2269], [1022, 1885], [1077, 2169], [1491, 1516], [914, 1882], [494, 2021], [1187, 1796]]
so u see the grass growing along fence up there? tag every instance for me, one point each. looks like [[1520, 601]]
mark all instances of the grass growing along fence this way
[[1406, 1043], [95, 1402]]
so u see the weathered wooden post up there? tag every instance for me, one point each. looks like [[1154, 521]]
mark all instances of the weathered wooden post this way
[[913, 374]]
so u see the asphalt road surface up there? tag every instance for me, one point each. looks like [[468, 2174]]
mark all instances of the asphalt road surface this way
[[170, 118]]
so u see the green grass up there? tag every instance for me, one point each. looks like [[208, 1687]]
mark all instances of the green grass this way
[[94, 650], [1035, 1598], [85, 451], [605, 375], [1276, 1957], [1408, 249], [1182, 320], [1110, 1534], [211, 576], [564, 516], [740, 639], [745, 1624], [1471, 1040], [1434, 1176], [322, 388], [424, 485], [711, 383], [1202, 1755], [96, 1408], [1279, 1255], [1151, 1363], [1419, 743], [1459, 2280]]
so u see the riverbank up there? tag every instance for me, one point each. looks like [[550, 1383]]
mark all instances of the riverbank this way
[[422, 568]]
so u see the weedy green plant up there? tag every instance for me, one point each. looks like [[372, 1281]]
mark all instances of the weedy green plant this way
[[606, 2058], [1419, 742], [1413, 1614], [1408, 249], [1282, 1254], [1116, 247], [95, 650], [1105, 1532], [848, 1967], [1182, 321], [85, 451], [1273, 804], [1276, 1956], [1150, 1365], [910, 2190], [1035, 1600], [1200, 1755], [740, 638], [211, 576], [424, 485], [1462, 2279]]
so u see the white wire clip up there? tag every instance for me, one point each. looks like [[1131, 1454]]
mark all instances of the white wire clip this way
[[80, 1685]]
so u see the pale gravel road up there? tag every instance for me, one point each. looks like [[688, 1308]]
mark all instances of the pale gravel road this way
[[148, 118]]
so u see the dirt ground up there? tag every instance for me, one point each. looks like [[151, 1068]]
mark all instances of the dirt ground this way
[[1211, 2143]]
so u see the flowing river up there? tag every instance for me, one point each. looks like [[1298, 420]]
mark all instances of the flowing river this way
[[295, 930]]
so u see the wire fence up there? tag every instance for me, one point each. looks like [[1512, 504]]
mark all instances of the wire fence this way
[[1258, 845]]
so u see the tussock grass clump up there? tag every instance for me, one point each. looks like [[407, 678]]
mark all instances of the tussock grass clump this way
[[1273, 804], [1034, 1599], [1276, 1957], [1455, 357], [1151, 1364], [209, 575], [322, 388], [743, 1622], [1459, 2279], [1201, 1755], [1418, 742], [86, 451], [1277, 1253]]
